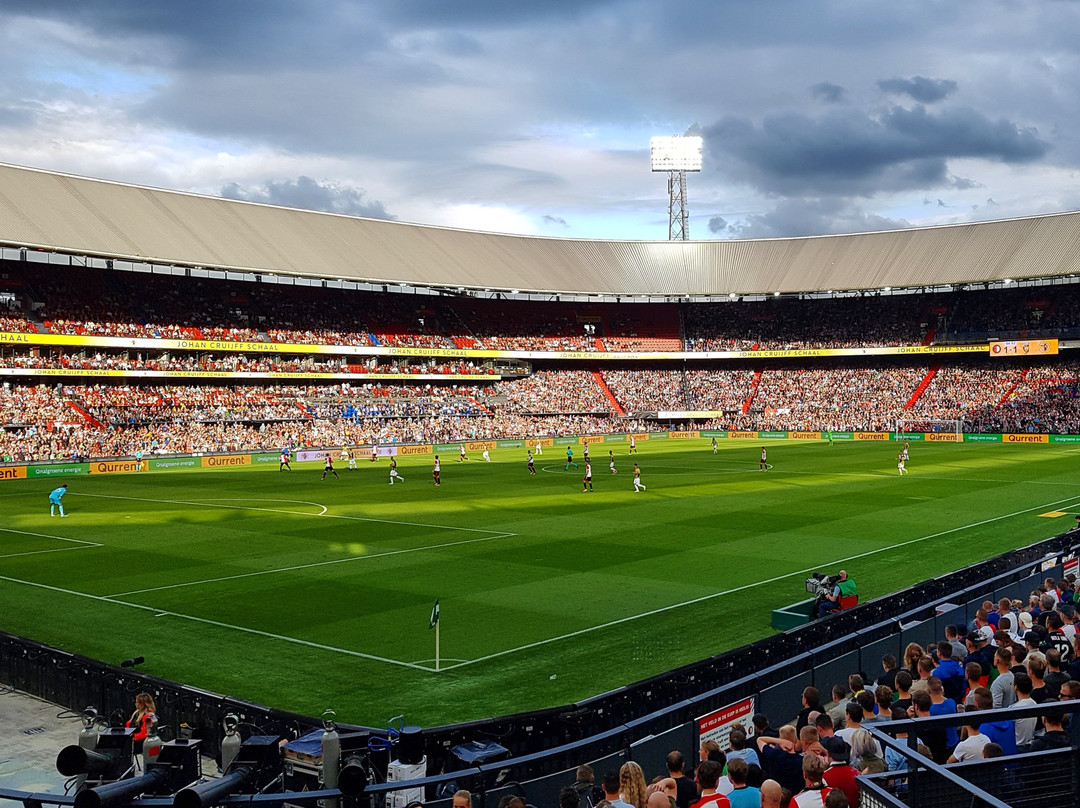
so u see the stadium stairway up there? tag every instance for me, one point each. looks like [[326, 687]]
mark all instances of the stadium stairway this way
[[925, 383], [86, 416], [610, 396], [1012, 388], [754, 384]]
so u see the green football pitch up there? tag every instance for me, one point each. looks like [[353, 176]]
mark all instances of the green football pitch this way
[[279, 588]]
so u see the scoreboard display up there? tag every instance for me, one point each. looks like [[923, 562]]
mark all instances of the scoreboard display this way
[[1024, 347]]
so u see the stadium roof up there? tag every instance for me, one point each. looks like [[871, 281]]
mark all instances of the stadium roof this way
[[82, 216]]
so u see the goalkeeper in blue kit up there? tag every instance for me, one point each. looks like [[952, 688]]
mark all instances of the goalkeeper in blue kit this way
[[54, 501]]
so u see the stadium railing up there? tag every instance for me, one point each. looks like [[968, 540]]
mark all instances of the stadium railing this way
[[1046, 779]]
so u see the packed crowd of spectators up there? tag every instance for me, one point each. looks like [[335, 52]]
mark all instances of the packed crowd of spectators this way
[[867, 399], [45, 422], [785, 323], [126, 304], [224, 363], [547, 391], [1012, 655], [647, 390], [1005, 397], [17, 325]]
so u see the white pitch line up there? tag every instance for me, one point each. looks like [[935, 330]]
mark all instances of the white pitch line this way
[[217, 623], [263, 499], [82, 545], [744, 587], [49, 536], [293, 513], [57, 550], [313, 564]]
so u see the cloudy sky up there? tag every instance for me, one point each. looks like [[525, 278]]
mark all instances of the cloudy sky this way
[[819, 116]]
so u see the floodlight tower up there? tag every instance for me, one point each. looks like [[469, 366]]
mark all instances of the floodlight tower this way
[[676, 154]]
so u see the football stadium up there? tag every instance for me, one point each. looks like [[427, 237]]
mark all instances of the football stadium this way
[[509, 506]]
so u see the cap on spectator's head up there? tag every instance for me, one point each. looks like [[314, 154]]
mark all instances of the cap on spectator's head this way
[[1025, 620], [1032, 638], [839, 749], [976, 637]]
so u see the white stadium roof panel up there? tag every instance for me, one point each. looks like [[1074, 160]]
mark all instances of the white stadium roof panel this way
[[82, 216]]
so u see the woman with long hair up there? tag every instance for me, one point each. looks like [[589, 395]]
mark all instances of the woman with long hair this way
[[142, 719], [632, 784], [912, 654]]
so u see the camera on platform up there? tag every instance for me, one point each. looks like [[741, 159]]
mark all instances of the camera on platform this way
[[821, 585]]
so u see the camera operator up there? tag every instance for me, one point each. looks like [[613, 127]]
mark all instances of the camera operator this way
[[843, 588]]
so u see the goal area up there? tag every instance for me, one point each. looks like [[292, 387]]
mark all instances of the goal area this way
[[953, 427]]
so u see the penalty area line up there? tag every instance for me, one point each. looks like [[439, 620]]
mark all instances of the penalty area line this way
[[209, 504], [744, 587], [82, 545], [218, 624], [314, 564]]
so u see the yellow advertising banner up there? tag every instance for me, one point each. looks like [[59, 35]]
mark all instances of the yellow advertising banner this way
[[1025, 438], [229, 346], [425, 449], [112, 466], [735, 433], [541, 441], [682, 435], [479, 445], [638, 436], [940, 437], [805, 435], [251, 374], [591, 439], [871, 436], [225, 461], [13, 473]]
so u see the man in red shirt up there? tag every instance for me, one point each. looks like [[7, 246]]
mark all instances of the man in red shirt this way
[[708, 775], [840, 773]]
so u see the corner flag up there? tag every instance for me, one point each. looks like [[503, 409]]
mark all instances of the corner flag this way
[[434, 614]]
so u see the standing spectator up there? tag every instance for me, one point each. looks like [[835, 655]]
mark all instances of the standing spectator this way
[[815, 791], [1002, 687], [811, 702], [685, 789], [841, 774], [632, 784], [708, 775], [779, 759], [741, 794]]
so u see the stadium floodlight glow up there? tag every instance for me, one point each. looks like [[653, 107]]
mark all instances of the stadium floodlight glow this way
[[676, 154]]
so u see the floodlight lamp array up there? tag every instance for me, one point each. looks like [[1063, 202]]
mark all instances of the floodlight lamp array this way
[[676, 153]]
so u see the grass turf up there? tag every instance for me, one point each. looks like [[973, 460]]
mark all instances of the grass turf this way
[[282, 589]]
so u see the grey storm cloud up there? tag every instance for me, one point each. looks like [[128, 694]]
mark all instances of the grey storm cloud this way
[[828, 92], [717, 224], [304, 192], [923, 90], [555, 220], [806, 217], [850, 152]]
